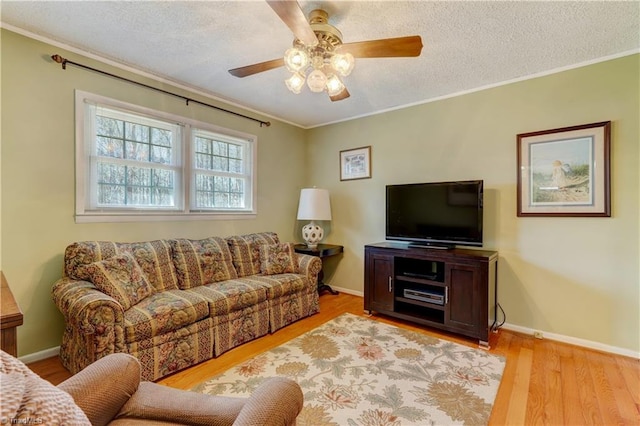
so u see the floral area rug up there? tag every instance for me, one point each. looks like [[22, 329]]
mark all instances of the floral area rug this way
[[359, 372]]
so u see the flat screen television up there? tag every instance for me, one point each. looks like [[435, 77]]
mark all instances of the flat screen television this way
[[440, 214]]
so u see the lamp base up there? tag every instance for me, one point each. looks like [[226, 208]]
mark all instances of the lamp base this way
[[312, 234]]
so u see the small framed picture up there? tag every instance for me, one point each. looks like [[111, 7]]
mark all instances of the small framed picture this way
[[565, 172], [355, 163]]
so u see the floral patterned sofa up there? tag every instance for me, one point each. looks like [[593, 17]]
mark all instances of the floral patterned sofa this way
[[177, 302]]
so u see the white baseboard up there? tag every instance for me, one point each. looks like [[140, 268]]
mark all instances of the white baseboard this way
[[589, 344], [346, 290], [39, 356]]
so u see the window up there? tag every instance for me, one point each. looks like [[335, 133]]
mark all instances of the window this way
[[133, 163]]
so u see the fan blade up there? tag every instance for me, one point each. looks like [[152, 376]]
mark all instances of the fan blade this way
[[384, 48], [256, 68], [293, 17], [340, 96]]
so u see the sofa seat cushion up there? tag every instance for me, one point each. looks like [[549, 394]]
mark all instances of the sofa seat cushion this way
[[175, 350], [245, 251], [231, 295], [280, 285], [200, 262], [154, 257], [163, 312]]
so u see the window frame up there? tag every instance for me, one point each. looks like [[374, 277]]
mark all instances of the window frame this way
[[185, 174]]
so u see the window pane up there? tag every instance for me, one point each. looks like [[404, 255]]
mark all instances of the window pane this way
[[160, 155], [236, 200], [138, 196], [221, 199], [111, 173], [163, 178], [220, 164], [137, 132], [220, 148], [203, 145], [163, 197], [236, 185], [203, 161], [221, 184], [161, 137], [138, 176], [108, 147], [111, 195], [235, 166], [235, 151], [109, 127], [137, 151]]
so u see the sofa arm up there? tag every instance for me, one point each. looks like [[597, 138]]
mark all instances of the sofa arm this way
[[277, 401], [101, 389], [310, 266], [94, 323]]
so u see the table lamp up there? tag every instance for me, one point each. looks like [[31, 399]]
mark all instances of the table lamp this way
[[314, 205]]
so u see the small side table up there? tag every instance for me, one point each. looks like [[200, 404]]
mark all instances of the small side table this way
[[322, 251], [10, 318]]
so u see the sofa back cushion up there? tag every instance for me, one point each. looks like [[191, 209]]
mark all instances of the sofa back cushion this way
[[154, 257], [120, 277], [200, 262], [278, 259], [245, 250]]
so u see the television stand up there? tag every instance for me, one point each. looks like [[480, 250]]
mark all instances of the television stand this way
[[452, 290]]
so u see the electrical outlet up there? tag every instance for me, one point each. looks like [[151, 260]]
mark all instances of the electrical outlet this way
[[537, 334]]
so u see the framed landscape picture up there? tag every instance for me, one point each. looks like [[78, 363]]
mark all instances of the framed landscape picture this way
[[355, 163], [565, 172]]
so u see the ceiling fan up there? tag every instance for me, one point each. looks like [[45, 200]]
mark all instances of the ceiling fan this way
[[318, 55]]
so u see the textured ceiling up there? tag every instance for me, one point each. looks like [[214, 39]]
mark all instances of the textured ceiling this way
[[467, 45]]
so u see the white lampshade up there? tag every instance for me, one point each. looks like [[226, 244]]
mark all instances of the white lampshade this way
[[314, 204]]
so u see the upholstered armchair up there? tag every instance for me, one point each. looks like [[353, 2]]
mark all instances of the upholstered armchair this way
[[109, 392]]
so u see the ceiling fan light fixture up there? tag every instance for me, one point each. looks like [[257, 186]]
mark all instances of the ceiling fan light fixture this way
[[334, 85], [343, 63], [295, 82], [296, 59], [317, 81]]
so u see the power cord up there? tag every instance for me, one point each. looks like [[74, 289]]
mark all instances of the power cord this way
[[495, 327]]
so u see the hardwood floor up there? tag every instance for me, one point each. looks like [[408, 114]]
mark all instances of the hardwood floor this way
[[544, 382]]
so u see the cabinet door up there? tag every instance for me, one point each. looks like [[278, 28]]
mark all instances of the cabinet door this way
[[463, 304], [379, 282]]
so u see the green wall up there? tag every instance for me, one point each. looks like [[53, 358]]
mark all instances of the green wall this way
[[37, 180], [576, 277]]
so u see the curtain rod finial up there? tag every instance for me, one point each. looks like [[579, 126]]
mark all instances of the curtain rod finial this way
[[60, 60]]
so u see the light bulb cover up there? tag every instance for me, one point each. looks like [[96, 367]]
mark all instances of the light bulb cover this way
[[317, 81], [334, 85], [295, 59], [343, 63], [295, 82]]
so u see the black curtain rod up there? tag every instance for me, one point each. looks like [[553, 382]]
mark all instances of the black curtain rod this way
[[60, 60]]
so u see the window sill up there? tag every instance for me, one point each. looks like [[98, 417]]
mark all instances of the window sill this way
[[161, 217]]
